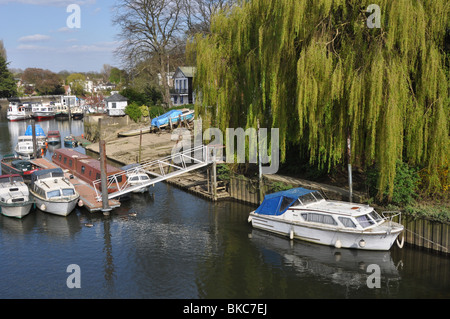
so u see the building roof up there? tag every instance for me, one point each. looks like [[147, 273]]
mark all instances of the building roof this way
[[116, 98], [188, 71]]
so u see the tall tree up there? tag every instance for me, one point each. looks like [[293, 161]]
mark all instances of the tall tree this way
[[45, 81], [317, 71], [148, 28], [8, 87]]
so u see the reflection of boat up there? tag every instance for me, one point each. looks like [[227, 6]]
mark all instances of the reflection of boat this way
[[15, 199], [345, 267], [15, 165], [304, 214], [24, 149], [53, 137], [173, 116], [18, 111], [43, 112], [52, 192]]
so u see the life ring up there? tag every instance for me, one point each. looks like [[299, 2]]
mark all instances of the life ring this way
[[400, 245]]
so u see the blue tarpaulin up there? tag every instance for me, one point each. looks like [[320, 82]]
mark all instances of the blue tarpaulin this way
[[277, 203], [39, 130], [164, 119]]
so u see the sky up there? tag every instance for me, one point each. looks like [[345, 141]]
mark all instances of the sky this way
[[49, 34]]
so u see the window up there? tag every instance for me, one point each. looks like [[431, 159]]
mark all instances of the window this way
[[113, 105], [83, 169], [285, 203], [65, 160], [70, 163], [347, 222], [53, 194], [377, 218], [365, 221], [68, 192], [307, 199], [59, 158], [319, 218]]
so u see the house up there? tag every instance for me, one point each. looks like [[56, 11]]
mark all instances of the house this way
[[116, 104], [182, 92]]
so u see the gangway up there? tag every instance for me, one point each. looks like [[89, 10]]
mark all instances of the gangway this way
[[160, 169]]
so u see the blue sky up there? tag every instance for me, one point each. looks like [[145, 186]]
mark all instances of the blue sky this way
[[35, 34]]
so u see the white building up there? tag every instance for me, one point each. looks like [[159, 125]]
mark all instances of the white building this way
[[116, 104], [183, 92]]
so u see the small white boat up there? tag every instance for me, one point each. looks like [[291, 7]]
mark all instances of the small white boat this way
[[137, 178], [52, 192], [18, 112], [15, 199], [304, 214], [24, 149]]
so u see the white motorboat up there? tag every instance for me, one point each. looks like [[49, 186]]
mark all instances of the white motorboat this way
[[15, 198], [43, 112], [304, 214], [138, 177], [24, 149], [52, 192], [18, 112]]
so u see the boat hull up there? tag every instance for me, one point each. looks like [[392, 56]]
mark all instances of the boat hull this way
[[366, 240], [61, 208], [43, 116], [17, 118], [16, 210]]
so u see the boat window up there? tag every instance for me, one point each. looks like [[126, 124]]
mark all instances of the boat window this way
[[16, 200], [375, 216], [70, 163], [144, 177], [68, 192], [347, 222], [60, 158], [54, 193], [65, 160], [365, 221], [317, 195], [83, 169], [319, 218], [134, 178], [285, 203], [307, 199]]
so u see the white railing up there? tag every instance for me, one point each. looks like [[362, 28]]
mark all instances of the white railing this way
[[161, 169]]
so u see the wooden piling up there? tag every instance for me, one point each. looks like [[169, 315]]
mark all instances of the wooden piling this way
[[103, 176]]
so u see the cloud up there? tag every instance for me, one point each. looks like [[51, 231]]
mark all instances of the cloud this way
[[34, 38], [32, 47]]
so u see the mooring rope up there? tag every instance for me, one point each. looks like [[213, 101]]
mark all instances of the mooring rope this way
[[443, 247]]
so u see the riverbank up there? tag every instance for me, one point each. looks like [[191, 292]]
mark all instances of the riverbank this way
[[421, 231]]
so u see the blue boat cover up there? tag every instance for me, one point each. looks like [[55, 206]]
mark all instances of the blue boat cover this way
[[164, 119], [277, 203], [39, 130]]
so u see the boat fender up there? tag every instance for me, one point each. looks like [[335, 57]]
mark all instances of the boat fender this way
[[80, 203], [400, 244], [291, 234], [250, 219], [362, 243], [43, 207], [338, 244]]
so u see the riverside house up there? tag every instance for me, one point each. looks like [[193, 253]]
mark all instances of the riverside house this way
[[182, 92], [116, 104]]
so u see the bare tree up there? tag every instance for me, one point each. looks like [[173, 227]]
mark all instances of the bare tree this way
[[199, 12], [148, 30]]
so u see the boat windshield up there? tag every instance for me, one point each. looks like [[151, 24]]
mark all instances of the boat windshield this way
[[309, 198], [68, 192], [52, 194], [365, 221]]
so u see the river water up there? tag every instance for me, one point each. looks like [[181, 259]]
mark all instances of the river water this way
[[171, 244]]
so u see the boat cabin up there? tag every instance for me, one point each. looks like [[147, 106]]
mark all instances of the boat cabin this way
[[308, 206], [84, 166], [50, 184]]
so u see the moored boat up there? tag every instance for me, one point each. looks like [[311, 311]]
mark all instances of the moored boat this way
[[134, 132], [52, 192], [15, 165], [70, 140], [15, 199], [136, 177], [61, 111], [77, 113], [304, 214], [43, 112], [18, 111], [53, 137], [172, 116]]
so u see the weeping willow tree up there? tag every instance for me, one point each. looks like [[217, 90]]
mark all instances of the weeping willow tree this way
[[314, 69]]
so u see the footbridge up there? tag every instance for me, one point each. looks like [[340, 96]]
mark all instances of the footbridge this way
[[159, 170]]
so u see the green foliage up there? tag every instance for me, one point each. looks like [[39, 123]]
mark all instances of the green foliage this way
[[405, 184], [8, 86], [149, 96], [315, 70], [133, 110]]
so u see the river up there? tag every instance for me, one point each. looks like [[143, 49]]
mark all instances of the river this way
[[171, 244]]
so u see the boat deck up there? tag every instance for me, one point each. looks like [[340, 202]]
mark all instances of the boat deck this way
[[86, 191]]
